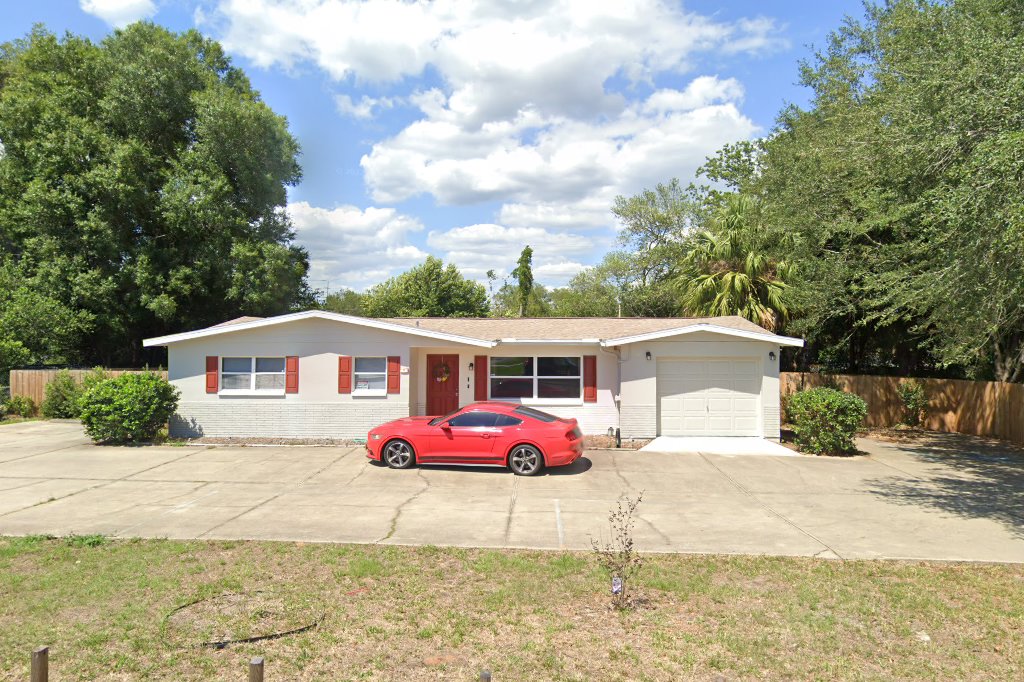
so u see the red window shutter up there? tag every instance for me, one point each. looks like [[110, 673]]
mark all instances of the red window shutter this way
[[480, 377], [212, 373], [344, 374], [394, 378], [291, 374], [590, 378]]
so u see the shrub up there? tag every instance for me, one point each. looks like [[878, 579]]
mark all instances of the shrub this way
[[825, 420], [21, 405], [618, 556], [62, 397], [128, 409], [915, 401], [95, 376]]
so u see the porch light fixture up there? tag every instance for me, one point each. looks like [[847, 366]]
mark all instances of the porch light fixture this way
[[471, 367], [648, 354], [771, 356]]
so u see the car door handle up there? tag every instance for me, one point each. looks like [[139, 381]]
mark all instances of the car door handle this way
[[485, 435]]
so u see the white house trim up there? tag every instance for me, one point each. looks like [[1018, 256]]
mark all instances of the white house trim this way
[[321, 314], [552, 342], [717, 329]]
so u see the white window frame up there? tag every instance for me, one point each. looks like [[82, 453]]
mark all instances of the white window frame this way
[[369, 391], [535, 400], [252, 390]]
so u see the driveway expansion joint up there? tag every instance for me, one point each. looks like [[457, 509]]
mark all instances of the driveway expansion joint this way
[[769, 508]]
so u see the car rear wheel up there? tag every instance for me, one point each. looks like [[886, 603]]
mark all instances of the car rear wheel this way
[[525, 460], [399, 455]]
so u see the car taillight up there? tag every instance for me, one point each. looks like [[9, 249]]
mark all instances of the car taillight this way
[[574, 434]]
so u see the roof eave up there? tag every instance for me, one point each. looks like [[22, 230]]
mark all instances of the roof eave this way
[[319, 314], [713, 328], [549, 342]]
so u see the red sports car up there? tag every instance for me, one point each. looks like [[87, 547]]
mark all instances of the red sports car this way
[[488, 433]]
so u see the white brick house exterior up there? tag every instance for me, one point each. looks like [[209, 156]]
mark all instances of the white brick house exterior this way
[[321, 374]]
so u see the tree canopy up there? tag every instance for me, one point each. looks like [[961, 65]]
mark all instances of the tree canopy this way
[[901, 184], [142, 186], [427, 290]]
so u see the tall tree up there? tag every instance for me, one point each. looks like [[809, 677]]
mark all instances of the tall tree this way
[[507, 302], [615, 288], [654, 227], [523, 275], [427, 290], [346, 302], [142, 190], [902, 182], [729, 269]]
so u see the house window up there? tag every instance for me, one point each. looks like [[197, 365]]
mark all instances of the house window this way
[[249, 375], [370, 376], [536, 378]]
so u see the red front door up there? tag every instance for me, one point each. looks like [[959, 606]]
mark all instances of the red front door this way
[[442, 384]]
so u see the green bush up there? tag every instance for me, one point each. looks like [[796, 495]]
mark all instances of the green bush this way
[[62, 397], [21, 406], [95, 376], [825, 420], [915, 401], [130, 408]]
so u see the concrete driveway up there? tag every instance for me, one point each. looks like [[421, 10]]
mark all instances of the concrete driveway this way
[[951, 498]]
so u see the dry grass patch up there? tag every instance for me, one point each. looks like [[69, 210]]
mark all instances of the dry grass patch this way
[[428, 613]]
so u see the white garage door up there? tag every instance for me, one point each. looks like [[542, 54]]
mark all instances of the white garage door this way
[[709, 397]]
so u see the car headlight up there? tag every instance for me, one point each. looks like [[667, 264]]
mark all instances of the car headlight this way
[[376, 436]]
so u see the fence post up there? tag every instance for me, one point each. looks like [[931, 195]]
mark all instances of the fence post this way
[[256, 669], [41, 664]]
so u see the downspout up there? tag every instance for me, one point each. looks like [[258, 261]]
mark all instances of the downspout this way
[[617, 352]]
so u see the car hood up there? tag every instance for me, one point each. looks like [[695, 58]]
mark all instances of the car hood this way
[[407, 421]]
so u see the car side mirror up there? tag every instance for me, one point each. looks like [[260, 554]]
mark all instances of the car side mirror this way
[[446, 426]]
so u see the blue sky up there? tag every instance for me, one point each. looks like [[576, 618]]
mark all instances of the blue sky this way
[[468, 130]]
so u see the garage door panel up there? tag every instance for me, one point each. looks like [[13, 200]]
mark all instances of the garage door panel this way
[[693, 424], [745, 405], [689, 404], [709, 397]]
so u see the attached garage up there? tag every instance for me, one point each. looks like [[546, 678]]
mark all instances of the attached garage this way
[[709, 397]]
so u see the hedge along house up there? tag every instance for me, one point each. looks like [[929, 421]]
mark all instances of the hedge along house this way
[[318, 374]]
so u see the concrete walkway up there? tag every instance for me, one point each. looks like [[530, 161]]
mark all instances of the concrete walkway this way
[[950, 499], [718, 445]]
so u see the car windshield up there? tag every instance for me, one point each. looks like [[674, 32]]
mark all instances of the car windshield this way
[[536, 414], [437, 420]]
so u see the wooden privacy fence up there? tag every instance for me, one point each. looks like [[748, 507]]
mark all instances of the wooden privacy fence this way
[[980, 408], [32, 382]]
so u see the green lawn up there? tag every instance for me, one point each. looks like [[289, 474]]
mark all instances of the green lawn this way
[[105, 610]]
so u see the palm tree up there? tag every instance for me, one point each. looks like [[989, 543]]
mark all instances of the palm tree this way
[[729, 270]]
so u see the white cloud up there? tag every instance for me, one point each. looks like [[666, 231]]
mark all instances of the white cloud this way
[[355, 247], [559, 171], [548, 108], [119, 12], [364, 108], [701, 92], [475, 249]]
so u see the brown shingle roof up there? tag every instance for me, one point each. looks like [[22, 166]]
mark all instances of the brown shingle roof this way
[[565, 328], [238, 320]]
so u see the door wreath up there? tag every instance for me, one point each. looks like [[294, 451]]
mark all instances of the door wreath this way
[[442, 372]]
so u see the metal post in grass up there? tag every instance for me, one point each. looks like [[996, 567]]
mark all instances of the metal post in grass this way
[[485, 676], [256, 669], [41, 664]]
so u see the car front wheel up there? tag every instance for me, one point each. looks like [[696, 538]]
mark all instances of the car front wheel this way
[[399, 455], [525, 460]]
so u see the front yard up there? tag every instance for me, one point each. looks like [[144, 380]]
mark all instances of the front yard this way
[[105, 609]]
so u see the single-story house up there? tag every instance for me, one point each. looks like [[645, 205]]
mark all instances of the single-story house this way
[[320, 374]]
